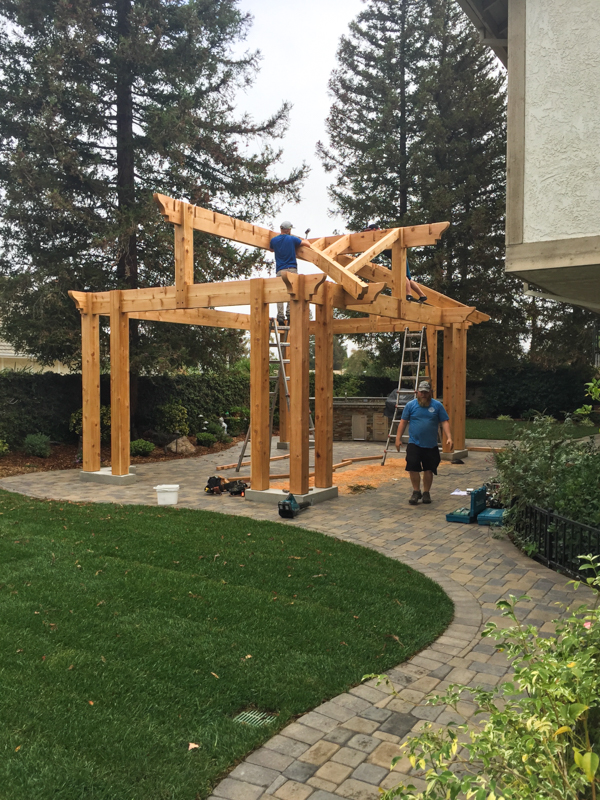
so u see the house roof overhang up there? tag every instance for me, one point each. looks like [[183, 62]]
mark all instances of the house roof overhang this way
[[490, 17]]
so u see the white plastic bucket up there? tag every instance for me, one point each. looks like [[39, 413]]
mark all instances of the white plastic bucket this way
[[167, 494]]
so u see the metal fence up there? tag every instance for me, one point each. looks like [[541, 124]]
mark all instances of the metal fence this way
[[558, 540]]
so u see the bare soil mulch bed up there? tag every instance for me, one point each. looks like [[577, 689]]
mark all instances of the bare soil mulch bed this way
[[65, 456]]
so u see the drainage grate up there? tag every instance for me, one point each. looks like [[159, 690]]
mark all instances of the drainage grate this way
[[255, 718]]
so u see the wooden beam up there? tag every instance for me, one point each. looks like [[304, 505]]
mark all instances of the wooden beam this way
[[119, 386], [374, 250], [336, 247], [460, 385], [432, 347], [414, 236], [259, 385], [299, 412], [398, 285], [198, 316], [324, 391], [184, 254], [342, 276], [90, 391], [370, 324]]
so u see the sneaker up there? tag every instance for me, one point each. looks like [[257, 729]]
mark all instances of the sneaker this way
[[415, 497], [410, 298], [280, 320], [426, 498], [422, 299]]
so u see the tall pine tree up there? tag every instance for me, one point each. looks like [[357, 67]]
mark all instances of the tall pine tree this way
[[452, 165], [102, 103]]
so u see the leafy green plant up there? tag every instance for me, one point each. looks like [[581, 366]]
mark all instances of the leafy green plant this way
[[76, 422], [592, 389], [173, 418], [548, 468], [535, 742], [141, 447], [238, 420], [4, 448], [37, 444], [504, 417], [205, 439]]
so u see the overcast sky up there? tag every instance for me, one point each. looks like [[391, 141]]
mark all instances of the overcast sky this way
[[298, 44]]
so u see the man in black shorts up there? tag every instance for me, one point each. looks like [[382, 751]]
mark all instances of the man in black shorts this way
[[422, 453]]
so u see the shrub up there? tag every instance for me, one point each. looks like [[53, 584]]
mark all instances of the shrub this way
[[238, 420], [205, 439], [37, 444], [4, 448], [141, 447], [504, 418], [535, 742], [76, 423], [173, 418], [547, 469]]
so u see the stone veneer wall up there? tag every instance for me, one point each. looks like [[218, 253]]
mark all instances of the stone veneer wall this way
[[345, 408]]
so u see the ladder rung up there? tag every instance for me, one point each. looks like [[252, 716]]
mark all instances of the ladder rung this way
[[411, 349], [277, 361]]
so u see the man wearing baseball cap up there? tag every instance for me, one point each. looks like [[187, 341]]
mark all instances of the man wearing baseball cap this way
[[284, 246], [422, 453]]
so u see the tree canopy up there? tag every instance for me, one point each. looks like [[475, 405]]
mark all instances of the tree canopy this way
[[102, 104]]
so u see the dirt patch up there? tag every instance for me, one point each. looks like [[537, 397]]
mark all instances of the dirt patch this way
[[371, 475], [66, 456]]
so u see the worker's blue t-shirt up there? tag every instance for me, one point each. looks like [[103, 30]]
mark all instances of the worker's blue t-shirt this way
[[284, 246], [423, 422]]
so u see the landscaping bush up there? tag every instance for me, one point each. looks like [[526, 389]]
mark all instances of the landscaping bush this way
[[76, 423], [238, 420], [536, 743], [218, 432], [37, 444], [205, 439], [547, 469], [141, 447], [173, 418], [4, 448]]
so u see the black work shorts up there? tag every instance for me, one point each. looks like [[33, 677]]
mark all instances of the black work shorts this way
[[422, 459]]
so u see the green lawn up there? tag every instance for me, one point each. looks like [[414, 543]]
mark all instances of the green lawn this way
[[502, 429], [128, 632]]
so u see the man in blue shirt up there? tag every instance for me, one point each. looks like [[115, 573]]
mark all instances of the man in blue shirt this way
[[284, 246], [422, 453]]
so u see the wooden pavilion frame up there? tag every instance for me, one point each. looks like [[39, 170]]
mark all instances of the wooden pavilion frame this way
[[356, 283]]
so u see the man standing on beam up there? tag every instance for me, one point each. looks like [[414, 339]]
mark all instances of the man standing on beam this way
[[284, 246], [422, 453]]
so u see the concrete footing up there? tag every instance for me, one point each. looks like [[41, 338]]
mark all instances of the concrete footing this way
[[457, 455], [104, 475], [273, 496], [283, 445]]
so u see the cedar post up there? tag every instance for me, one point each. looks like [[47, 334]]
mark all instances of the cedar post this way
[[90, 389], [324, 390], [299, 410], [399, 272], [184, 254], [259, 386], [432, 352], [460, 385], [449, 382], [119, 386]]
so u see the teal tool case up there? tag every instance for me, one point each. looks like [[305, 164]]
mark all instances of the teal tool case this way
[[491, 516], [468, 515]]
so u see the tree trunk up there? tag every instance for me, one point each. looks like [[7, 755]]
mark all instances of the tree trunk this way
[[127, 268], [403, 122]]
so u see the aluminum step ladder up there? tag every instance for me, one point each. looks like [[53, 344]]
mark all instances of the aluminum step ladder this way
[[414, 368], [278, 338]]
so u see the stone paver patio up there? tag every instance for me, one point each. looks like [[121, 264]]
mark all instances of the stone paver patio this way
[[344, 747]]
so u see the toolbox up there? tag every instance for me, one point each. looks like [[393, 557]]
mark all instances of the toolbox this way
[[468, 515], [491, 516]]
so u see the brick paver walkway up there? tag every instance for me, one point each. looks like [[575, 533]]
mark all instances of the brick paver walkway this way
[[344, 747]]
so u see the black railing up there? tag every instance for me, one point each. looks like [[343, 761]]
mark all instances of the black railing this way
[[558, 541]]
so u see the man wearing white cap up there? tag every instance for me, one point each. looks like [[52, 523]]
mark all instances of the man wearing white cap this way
[[284, 246], [422, 452]]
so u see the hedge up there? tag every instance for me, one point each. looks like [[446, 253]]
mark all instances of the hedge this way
[[43, 403]]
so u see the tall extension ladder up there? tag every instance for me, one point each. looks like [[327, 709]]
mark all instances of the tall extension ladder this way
[[280, 335], [414, 343]]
